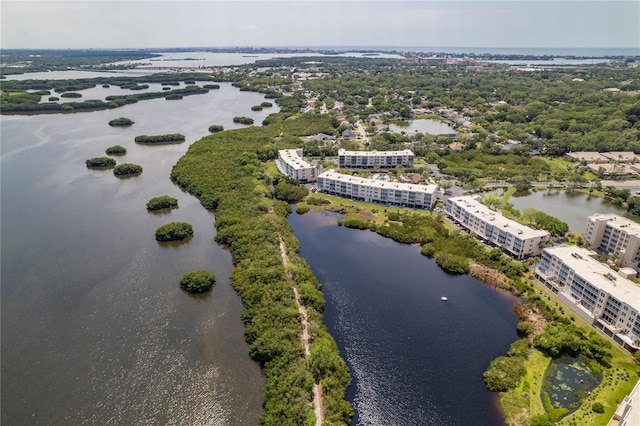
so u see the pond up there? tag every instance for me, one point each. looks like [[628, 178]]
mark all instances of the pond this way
[[424, 125], [567, 382], [571, 207]]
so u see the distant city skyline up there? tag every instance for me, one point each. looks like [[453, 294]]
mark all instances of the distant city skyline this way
[[154, 24]]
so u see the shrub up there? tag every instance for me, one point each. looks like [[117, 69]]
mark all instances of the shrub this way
[[266, 104], [53, 98], [453, 263], [127, 169], [173, 97], [100, 162], [215, 128], [524, 328], [243, 120], [174, 231], [71, 95], [317, 201], [211, 86], [121, 122], [597, 407], [256, 108], [197, 282], [163, 202], [116, 150], [302, 209], [166, 138], [504, 373]]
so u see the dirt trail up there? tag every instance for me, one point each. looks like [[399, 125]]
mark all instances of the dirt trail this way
[[317, 387]]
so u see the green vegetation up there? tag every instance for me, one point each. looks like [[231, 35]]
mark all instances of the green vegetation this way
[[173, 97], [167, 138], [53, 98], [174, 231], [215, 128], [71, 95], [162, 202], [196, 282], [15, 99], [256, 108], [116, 150], [211, 86], [266, 104], [100, 162], [504, 373], [302, 210], [223, 170], [289, 190], [243, 120], [121, 122], [127, 169]]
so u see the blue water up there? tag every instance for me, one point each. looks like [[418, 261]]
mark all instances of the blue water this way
[[414, 359]]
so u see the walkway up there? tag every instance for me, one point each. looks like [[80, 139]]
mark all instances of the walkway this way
[[304, 315]]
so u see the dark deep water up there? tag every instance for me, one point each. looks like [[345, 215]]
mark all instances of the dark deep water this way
[[414, 359]]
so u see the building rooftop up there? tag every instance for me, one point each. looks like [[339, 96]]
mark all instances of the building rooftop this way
[[473, 204], [375, 183], [588, 156], [374, 153], [618, 222], [291, 157], [600, 275]]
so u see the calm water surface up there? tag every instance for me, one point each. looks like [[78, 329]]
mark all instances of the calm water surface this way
[[430, 126], [571, 207], [95, 329], [415, 360]]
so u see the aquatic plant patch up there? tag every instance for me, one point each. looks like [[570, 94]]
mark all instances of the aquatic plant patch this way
[[567, 382]]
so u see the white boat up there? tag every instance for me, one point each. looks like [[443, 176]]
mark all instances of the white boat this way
[[444, 298]]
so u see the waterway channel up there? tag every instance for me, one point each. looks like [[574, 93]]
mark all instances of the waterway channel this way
[[95, 329], [414, 359]]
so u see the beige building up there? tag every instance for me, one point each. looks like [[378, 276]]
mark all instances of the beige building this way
[[374, 159], [518, 240], [594, 291], [613, 234], [290, 163], [377, 191]]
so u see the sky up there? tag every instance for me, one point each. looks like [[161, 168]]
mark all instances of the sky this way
[[475, 23]]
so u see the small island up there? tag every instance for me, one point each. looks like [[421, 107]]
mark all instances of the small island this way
[[121, 122], [173, 97], [71, 95], [243, 120], [127, 169], [167, 138], [196, 282], [215, 128], [211, 86], [266, 104], [53, 98], [256, 108], [116, 150], [174, 231], [100, 162], [163, 202]]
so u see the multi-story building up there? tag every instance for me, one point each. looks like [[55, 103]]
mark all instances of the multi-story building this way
[[613, 234], [374, 159], [377, 191], [291, 163], [594, 291], [518, 240]]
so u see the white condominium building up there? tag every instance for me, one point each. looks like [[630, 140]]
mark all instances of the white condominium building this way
[[377, 191], [374, 159], [518, 240], [290, 163], [611, 233], [593, 290]]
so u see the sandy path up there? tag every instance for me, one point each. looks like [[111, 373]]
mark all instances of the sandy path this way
[[317, 387]]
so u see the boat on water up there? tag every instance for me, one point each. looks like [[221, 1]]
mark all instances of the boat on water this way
[[444, 298]]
